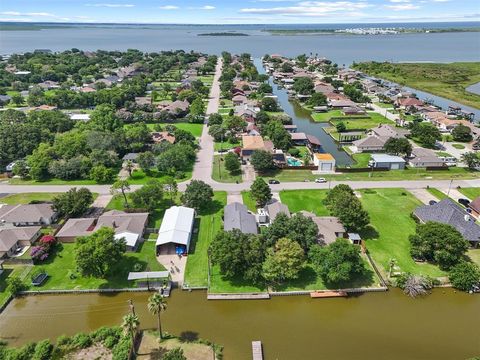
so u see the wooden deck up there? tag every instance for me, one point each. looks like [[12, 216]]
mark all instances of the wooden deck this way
[[257, 351], [327, 294], [238, 296]]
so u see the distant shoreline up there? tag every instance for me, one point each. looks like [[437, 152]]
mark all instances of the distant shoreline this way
[[223, 34]]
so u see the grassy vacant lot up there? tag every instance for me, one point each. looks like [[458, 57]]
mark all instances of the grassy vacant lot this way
[[391, 225], [309, 200], [447, 80], [219, 284], [249, 202], [437, 193], [474, 255], [332, 114], [384, 105], [139, 177], [361, 160], [471, 193], [220, 174], [209, 222], [194, 129], [225, 145], [363, 123], [60, 267], [27, 198]]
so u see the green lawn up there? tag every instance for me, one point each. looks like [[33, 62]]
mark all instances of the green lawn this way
[[226, 145], [10, 271], [52, 181], [372, 120], [437, 193], [27, 198], [62, 273], [391, 225], [219, 284], [139, 177], [474, 255], [384, 105], [194, 129], [458, 146], [250, 203], [326, 116], [471, 193], [289, 175], [309, 200], [209, 222], [361, 160], [220, 174]]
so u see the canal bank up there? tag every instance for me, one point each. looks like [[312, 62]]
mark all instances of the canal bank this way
[[385, 325]]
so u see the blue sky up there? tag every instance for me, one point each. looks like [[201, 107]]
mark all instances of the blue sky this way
[[239, 12]]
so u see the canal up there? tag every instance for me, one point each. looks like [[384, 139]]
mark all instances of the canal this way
[[305, 123], [443, 325]]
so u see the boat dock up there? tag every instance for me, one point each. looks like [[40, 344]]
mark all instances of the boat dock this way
[[257, 351], [327, 294], [238, 296]]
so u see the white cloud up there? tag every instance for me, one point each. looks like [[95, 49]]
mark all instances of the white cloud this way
[[311, 8], [168, 7], [399, 1], [16, 13], [206, 7], [402, 7], [110, 5]]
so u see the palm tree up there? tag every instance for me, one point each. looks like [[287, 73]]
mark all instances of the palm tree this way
[[122, 186], [129, 167], [130, 325], [156, 304]]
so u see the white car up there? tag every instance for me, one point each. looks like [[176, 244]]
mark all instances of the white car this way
[[320, 180]]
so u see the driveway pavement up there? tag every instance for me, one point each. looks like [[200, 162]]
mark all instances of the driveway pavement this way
[[423, 195], [176, 265], [234, 197]]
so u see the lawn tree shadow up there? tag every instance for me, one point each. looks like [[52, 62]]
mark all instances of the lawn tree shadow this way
[[306, 277], [369, 232], [189, 336], [211, 208], [194, 240], [157, 354]]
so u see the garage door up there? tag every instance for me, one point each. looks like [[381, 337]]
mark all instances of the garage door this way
[[327, 167], [395, 166]]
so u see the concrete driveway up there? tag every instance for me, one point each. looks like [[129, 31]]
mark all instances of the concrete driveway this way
[[176, 265], [423, 195]]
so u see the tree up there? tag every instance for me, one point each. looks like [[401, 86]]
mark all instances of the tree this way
[[156, 305], [232, 162], [21, 169], [438, 243], [15, 285], [333, 194], [121, 186], [280, 137], [215, 119], [104, 118], [426, 133], [43, 350], [174, 354], [39, 161], [102, 175], [197, 194], [414, 285], [398, 146], [171, 188], [269, 104], [73, 202], [261, 160], [260, 191], [464, 276], [146, 160], [97, 254], [284, 261], [149, 196], [462, 133], [337, 262], [350, 212], [303, 86], [130, 326], [471, 159], [317, 99], [341, 127]]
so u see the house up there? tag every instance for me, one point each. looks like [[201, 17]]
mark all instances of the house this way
[[236, 216], [329, 227], [143, 100], [44, 108], [252, 143], [129, 226], [177, 107], [299, 138], [340, 104], [176, 231], [161, 136], [449, 212], [27, 214], [425, 158], [253, 130], [355, 238], [384, 161], [475, 207], [325, 162], [369, 144], [408, 103], [389, 131], [246, 112], [4, 99], [130, 157], [275, 208], [239, 100], [14, 238], [353, 110]]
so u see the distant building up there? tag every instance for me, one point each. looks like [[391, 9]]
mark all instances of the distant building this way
[[12, 239], [27, 214], [325, 162]]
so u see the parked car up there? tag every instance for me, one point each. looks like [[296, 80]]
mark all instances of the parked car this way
[[273, 181], [432, 202], [464, 202], [320, 180]]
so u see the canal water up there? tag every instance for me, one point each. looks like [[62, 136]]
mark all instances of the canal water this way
[[443, 325], [305, 123]]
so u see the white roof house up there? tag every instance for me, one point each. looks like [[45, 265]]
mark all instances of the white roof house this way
[[80, 117], [176, 227], [130, 238]]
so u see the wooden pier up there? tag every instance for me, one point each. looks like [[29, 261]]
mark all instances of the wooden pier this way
[[253, 296], [257, 351], [327, 294]]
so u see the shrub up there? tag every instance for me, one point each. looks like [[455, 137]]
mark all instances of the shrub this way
[[464, 276], [43, 349], [138, 267], [294, 151], [15, 285], [122, 349], [81, 340], [39, 253]]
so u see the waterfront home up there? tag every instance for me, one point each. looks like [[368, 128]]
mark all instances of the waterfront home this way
[[13, 239], [236, 216], [330, 228], [422, 157], [162, 136], [325, 162], [385, 161], [252, 143], [290, 128], [340, 104], [313, 143], [408, 103], [353, 110], [27, 214], [247, 112], [176, 231], [274, 208], [449, 212], [370, 143], [48, 85], [299, 138], [129, 226], [389, 131]]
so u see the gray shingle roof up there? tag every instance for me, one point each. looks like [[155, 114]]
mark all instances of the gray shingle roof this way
[[236, 216], [449, 212]]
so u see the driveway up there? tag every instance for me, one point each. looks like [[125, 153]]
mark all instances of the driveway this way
[[176, 265], [423, 195], [234, 197]]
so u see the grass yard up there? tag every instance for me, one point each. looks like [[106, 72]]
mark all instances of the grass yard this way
[[220, 174], [372, 120], [384, 105], [326, 116], [458, 146], [437, 193], [471, 193], [27, 198], [391, 225], [63, 275], [289, 175], [226, 145], [250, 203], [209, 222], [474, 255], [447, 80], [10, 271], [309, 200], [52, 181], [194, 129], [139, 177], [219, 284], [361, 160]]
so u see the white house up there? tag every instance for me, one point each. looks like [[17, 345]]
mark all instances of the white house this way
[[325, 162], [176, 230]]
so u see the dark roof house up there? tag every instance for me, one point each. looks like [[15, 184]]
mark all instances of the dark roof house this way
[[236, 216]]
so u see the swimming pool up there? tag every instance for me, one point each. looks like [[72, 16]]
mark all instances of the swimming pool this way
[[293, 162]]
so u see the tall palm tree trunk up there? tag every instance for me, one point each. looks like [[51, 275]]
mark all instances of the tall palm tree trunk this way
[[159, 326]]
